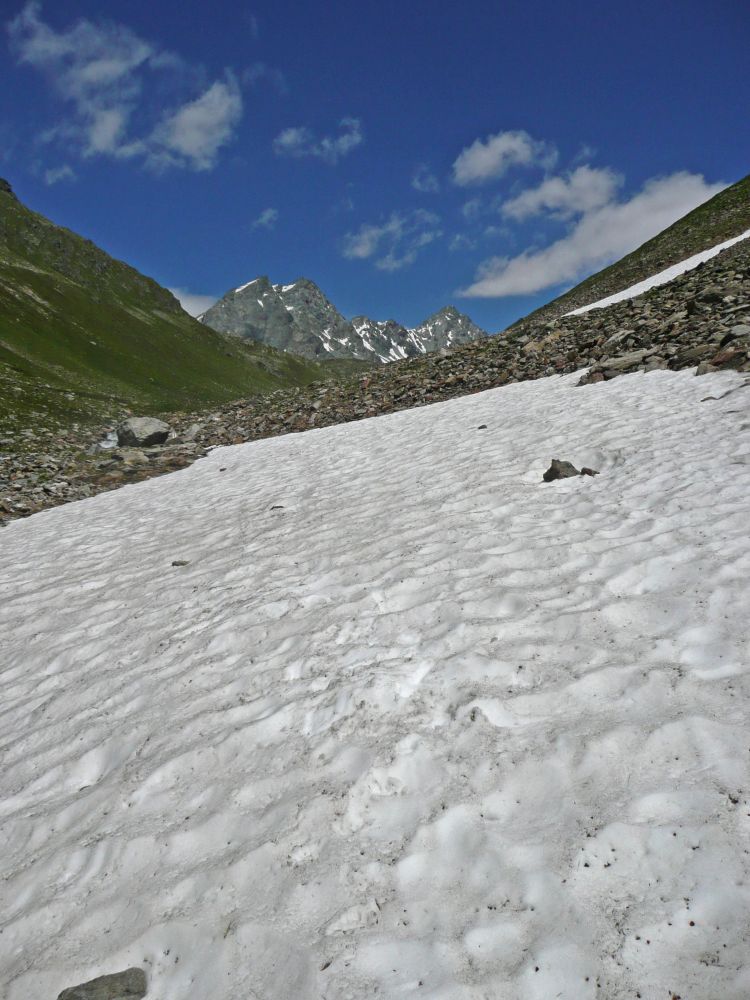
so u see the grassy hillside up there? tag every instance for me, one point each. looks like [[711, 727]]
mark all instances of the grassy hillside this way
[[725, 215], [82, 333]]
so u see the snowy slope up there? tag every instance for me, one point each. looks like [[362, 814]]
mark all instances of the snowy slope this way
[[662, 277], [410, 723]]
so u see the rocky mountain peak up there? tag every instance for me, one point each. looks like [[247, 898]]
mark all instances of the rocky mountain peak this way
[[299, 317]]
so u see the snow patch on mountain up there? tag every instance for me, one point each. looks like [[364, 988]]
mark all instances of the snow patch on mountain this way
[[668, 274], [372, 711]]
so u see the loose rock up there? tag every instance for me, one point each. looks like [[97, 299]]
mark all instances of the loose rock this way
[[120, 986], [560, 470], [140, 432]]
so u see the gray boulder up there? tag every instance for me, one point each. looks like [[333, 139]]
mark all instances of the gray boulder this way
[[140, 432], [119, 986]]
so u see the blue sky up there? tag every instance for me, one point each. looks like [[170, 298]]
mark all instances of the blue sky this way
[[403, 155]]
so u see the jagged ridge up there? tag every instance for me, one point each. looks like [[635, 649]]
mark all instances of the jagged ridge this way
[[299, 318]]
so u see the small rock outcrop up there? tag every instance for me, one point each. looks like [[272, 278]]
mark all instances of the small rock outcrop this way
[[560, 469], [5, 188], [125, 985], [142, 432]]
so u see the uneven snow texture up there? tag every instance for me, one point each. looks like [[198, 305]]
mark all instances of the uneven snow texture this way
[[431, 728], [668, 274]]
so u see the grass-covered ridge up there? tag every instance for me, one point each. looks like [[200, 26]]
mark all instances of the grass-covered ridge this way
[[720, 218], [81, 332]]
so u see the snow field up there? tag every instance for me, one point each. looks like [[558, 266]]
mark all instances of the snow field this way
[[668, 274], [431, 728]]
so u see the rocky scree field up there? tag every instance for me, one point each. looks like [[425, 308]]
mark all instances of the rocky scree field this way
[[720, 218]]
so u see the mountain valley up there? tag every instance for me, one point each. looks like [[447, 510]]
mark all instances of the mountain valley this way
[[700, 318]]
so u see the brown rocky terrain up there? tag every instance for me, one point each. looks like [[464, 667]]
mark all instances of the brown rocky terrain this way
[[701, 320]]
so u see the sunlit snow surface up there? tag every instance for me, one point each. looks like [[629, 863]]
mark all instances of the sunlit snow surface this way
[[663, 277], [430, 729]]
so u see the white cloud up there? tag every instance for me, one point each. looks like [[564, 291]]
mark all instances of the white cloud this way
[[461, 242], [57, 174], [301, 141], [396, 242], [266, 219], [601, 235], [194, 134], [471, 209], [105, 74], [194, 304], [583, 190], [492, 157], [424, 181]]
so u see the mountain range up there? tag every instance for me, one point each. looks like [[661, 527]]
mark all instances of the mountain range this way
[[81, 333], [84, 337], [300, 319]]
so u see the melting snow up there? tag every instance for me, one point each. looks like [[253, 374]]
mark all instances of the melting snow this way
[[409, 722], [662, 277], [246, 285]]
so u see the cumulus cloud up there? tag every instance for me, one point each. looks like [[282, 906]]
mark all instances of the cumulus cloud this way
[[104, 73], [302, 142], [491, 158], [583, 190], [194, 304], [194, 133], [57, 174], [266, 220], [602, 234], [395, 243], [424, 181]]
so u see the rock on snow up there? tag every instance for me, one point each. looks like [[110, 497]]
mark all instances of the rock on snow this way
[[426, 728]]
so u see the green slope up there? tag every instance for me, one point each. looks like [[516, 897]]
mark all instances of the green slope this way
[[82, 334], [725, 215]]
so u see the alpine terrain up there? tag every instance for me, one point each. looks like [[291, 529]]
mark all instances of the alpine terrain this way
[[300, 319], [700, 317], [447, 703], [375, 711], [83, 335]]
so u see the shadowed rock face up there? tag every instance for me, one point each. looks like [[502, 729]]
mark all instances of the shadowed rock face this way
[[128, 985], [5, 187], [299, 318]]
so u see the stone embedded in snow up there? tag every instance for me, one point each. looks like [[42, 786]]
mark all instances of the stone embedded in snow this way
[[140, 432], [118, 986], [560, 469]]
